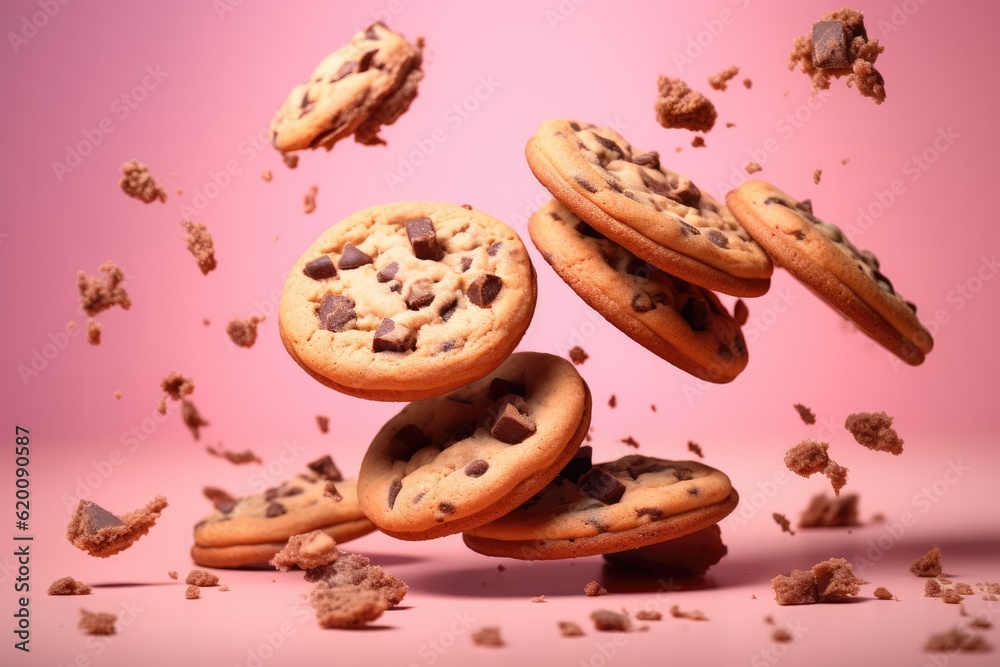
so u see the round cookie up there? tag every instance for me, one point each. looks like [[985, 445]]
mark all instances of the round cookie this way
[[248, 555], [819, 255], [356, 89], [680, 322], [633, 502], [454, 462], [659, 215], [407, 301]]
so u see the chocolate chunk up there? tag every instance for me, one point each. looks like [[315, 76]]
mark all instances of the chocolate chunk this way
[[292, 491], [775, 200], [518, 402], [330, 491], [326, 468], [274, 509], [688, 229], [345, 69], [643, 466], [642, 303], [682, 474], [585, 184], [446, 508], [500, 388], [484, 289], [394, 488], [613, 184], [579, 464], [718, 238], [407, 441], [352, 258], [462, 430], [575, 126], [650, 159], [370, 32], [271, 494], [365, 61], [423, 239], [320, 268], [466, 263], [96, 517], [830, 45], [221, 499], [587, 230], [477, 468], [695, 313], [654, 514], [511, 425], [336, 312], [806, 205], [388, 272], [601, 485], [609, 144], [421, 295], [447, 310], [392, 337]]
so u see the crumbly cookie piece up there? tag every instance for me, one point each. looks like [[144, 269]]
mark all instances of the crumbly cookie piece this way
[[839, 46], [782, 520], [236, 458], [578, 355], [310, 550], [928, 565], [353, 570], [809, 457], [832, 580], [93, 332], [323, 423], [817, 176], [173, 574], [570, 629], [824, 511], [201, 578], [488, 636], [874, 430], [798, 587], [692, 615], [100, 533], [648, 615], [593, 589], [720, 80], [176, 386], [97, 623], [99, 294], [606, 620], [695, 448], [957, 640], [200, 245], [243, 332], [678, 106], [309, 199], [192, 592], [192, 418], [138, 183], [882, 593], [805, 413], [752, 167], [687, 556], [345, 606], [368, 83], [69, 586]]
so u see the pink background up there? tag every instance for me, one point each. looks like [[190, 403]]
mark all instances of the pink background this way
[[189, 88]]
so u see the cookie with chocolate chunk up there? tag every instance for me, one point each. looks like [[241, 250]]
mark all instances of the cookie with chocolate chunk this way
[[633, 502], [657, 214], [355, 90], [251, 530], [457, 461], [406, 301], [819, 255], [678, 321]]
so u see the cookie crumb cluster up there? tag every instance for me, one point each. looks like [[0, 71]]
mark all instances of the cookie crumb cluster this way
[[720, 80], [200, 245], [69, 586], [243, 332], [138, 183], [831, 580], [678, 106]]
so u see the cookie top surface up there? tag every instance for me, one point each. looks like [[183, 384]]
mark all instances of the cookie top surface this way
[[680, 322], [408, 300], [446, 462], [634, 188], [344, 90], [820, 255], [294, 507]]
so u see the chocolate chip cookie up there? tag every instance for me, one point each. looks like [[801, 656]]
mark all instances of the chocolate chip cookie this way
[[355, 90], [659, 215], [251, 530], [408, 300], [625, 504], [819, 255], [454, 462], [680, 322]]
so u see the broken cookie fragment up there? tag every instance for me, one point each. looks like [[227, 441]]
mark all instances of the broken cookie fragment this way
[[423, 239], [484, 290], [100, 533], [601, 485], [336, 312], [680, 107], [393, 337]]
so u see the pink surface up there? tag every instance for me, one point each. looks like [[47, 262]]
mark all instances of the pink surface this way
[[189, 89]]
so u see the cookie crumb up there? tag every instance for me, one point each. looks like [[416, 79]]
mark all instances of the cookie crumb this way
[[835, 580], [323, 422], [593, 589], [817, 175], [192, 593], [118, 395], [677, 106], [291, 160], [805, 413], [928, 565], [648, 615], [807, 458], [826, 512], [753, 597], [488, 636], [950, 596], [570, 629], [963, 588], [606, 620], [837, 474], [192, 418], [748, 84], [631, 442], [501, 568], [236, 458], [798, 587], [309, 200], [307, 551], [990, 587], [752, 167], [874, 431], [539, 598], [97, 623], [782, 520], [578, 355], [69, 586], [201, 578], [243, 333], [882, 593], [730, 124], [99, 294], [698, 142], [200, 245], [93, 332], [652, 407], [100, 533], [173, 574], [957, 640], [266, 175], [138, 183], [696, 448], [719, 81], [224, 588], [932, 588], [845, 160], [345, 606], [613, 401], [781, 635], [693, 615]]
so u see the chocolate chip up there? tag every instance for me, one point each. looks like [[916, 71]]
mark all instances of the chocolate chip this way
[[494, 248], [830, 41], [304, 104], [394, 488], [330, 491], [642, 303], [695, 313], [775, 200], [685, 192], [693, 491], [575, 126], [274, 509], [587, 230], [718, 238], [882, 281], [462, 430], [723, 351], [467, 207], [613, 184], [484, 289], [466, 263], [446, 508], [326, 468], [423, 239], [448, 309], [370, 32], [477, 468], [682, 474], [688, 229], [448, 346], [96, 518], [609, 144], [643, 466], [320, 268], [654, 514], [585, 184], [392, 337], [291, 491], [511, 426], [388, 272], [806, 205], [650, 159], [421, 294], [271, 494], [352, 258], [221, 499], [579, 464], [406, 442], [638, 268], [365, 61], [741, 313], [336, 312], [420, 496], [601, 485], [345, 69], [500, 388]]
